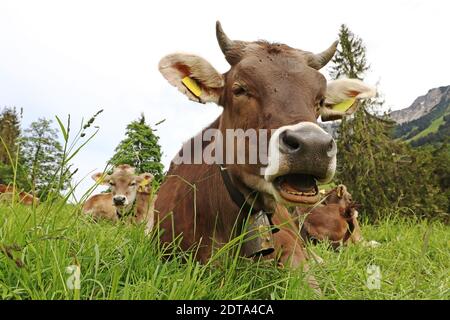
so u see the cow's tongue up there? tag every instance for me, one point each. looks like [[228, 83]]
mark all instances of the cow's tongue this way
[[298, 184]]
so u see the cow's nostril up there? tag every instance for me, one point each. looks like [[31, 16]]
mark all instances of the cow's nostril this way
[[290, 140], [119, 200], [332, 148]]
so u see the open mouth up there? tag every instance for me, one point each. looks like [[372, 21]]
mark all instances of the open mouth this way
[[119, 204], [298, 188]]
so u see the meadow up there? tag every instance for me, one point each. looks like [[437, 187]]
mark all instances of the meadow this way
[[41, 246]]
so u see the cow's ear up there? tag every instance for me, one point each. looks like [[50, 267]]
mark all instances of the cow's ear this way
[[340, 190], [193, 76], [144, 180], [100, 178], [342, 98]]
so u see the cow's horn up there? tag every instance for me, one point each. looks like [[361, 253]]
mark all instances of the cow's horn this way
[[224, 42], [319, 60], [230, 48]]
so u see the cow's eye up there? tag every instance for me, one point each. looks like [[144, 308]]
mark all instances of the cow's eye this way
[[112, 184], [132, 184], [239, 90], [322, 102]]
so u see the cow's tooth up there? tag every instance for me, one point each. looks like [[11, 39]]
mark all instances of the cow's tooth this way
[[310, 193]]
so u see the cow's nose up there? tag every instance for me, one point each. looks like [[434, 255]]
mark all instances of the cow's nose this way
[[119, 200], [313, 142], [309, 146]]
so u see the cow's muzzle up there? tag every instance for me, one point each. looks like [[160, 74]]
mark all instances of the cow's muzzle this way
[[309, 150], [299, 156], [119, 200]]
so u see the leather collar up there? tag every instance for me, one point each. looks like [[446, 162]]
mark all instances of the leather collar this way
[[240, 200], [235, 195]]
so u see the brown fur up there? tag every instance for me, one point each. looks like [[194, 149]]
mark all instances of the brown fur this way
[[288, 245], [125, 182], [7, 192], [280, 89], [332, 221], [101, 206], [193, 200]]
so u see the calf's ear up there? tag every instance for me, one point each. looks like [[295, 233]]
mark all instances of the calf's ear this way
[[193, 76], [340, 190], [342, 98], [144, 180], [100, 178]]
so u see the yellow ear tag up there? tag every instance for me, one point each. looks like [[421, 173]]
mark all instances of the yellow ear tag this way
[[192, 85], [143, 184], [344, 105]]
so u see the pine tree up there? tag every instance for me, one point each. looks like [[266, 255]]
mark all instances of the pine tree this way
[[441, 158], [9, 133], [140, 149], [382, 174], [10, 146], [42, 156], [350, 59]]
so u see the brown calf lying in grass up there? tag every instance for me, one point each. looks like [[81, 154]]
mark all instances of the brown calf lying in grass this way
[[7, 193], [130, 196], [335, 221]]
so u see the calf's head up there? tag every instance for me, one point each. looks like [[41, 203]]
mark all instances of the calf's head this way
[[337, 221], [124, 185], [278, 91], [339, 195]]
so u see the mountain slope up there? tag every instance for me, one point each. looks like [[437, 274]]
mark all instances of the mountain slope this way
[[422, 105], [427, 120]]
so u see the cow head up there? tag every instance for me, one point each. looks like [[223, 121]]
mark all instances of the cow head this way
[[8, 192], [333, 222], [339, 195], [347, 213], [279, 89], [124, 185]]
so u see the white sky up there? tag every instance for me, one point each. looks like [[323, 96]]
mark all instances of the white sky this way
[[76, 57]]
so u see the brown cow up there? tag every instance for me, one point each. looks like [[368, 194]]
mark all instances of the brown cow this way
[[7, 192], [272, 87], [130, 195], [335, 221], [341, 196]]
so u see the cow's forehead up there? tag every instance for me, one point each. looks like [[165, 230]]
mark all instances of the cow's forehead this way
[[277, 53], [123, 175], [277, 68], [263, 60]]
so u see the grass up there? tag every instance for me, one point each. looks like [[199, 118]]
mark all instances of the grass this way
[[42, 249], [118, 262]]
